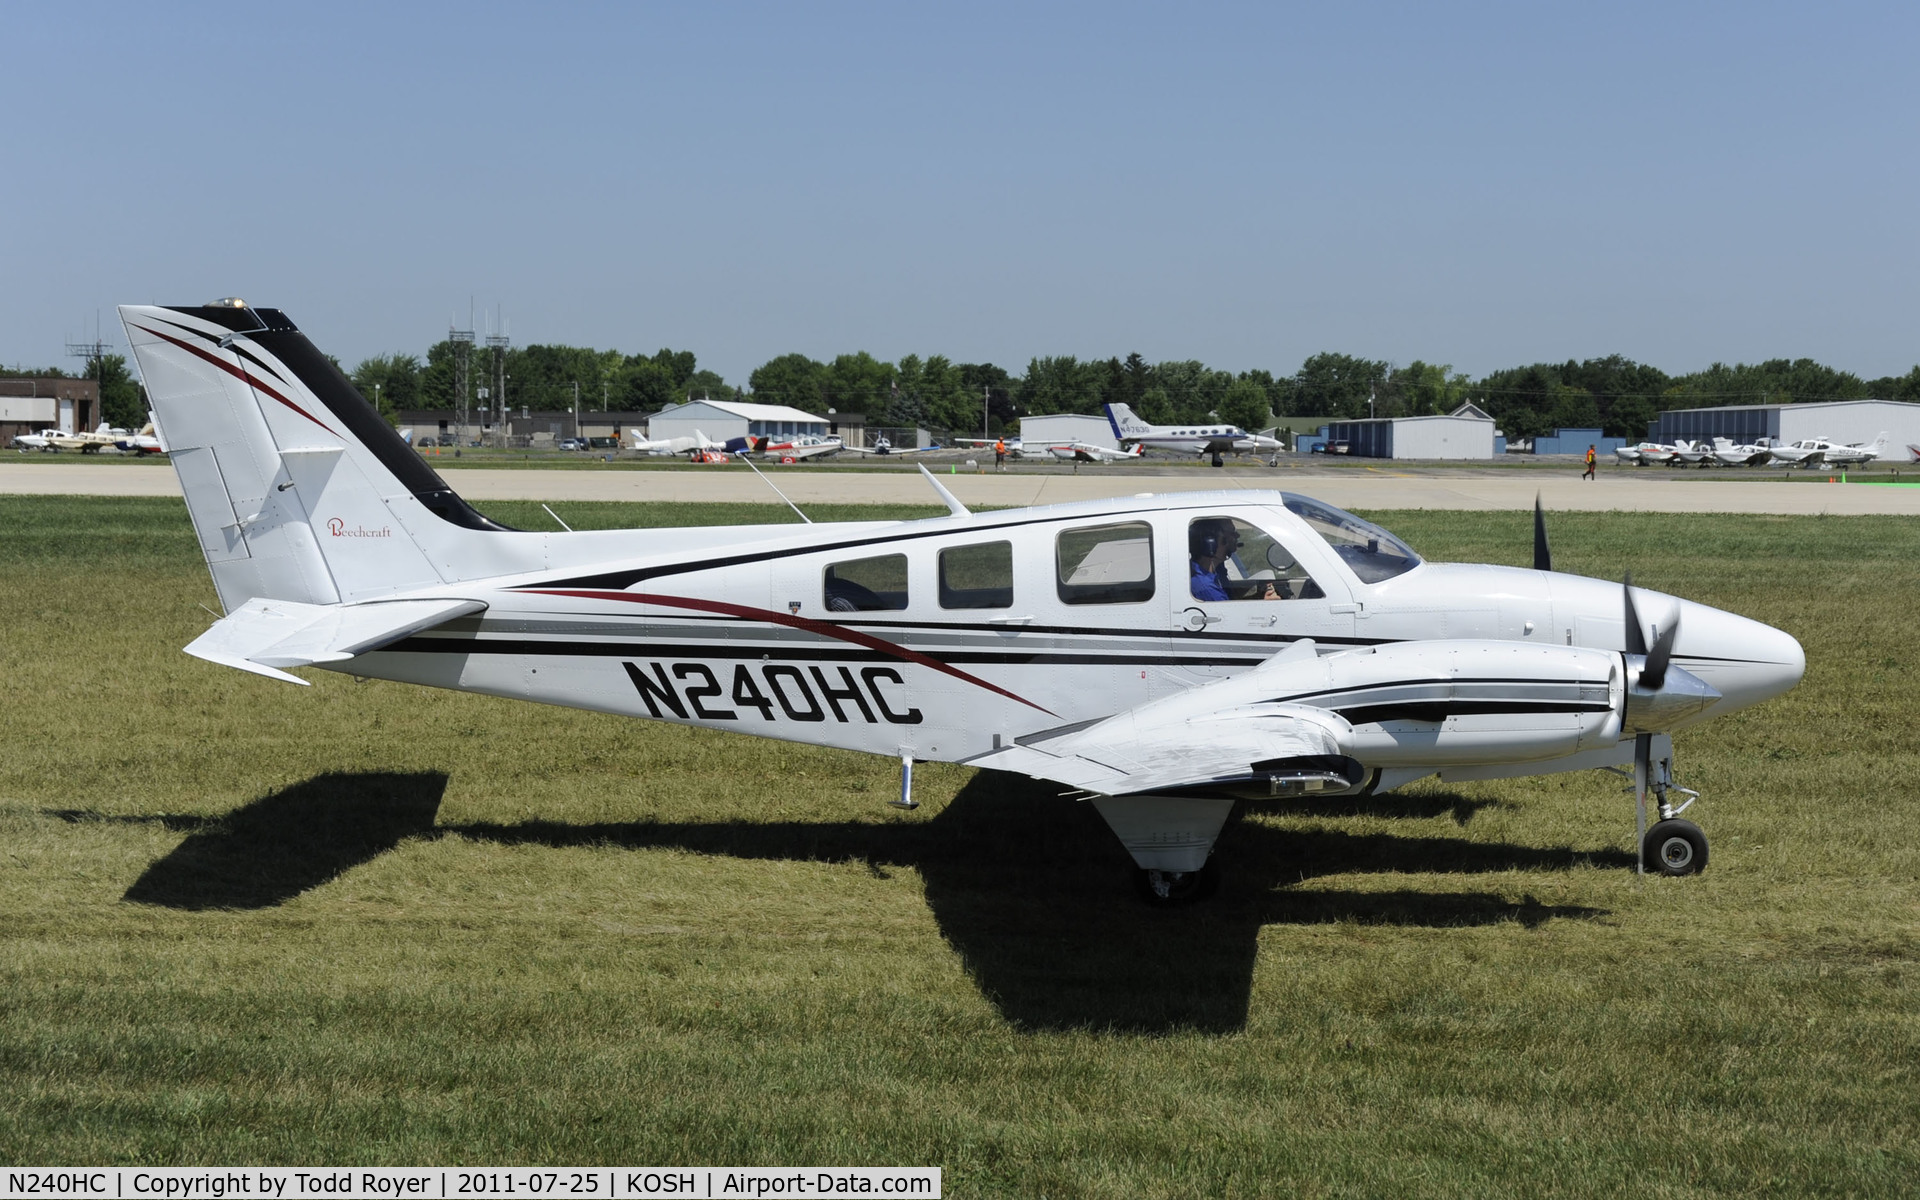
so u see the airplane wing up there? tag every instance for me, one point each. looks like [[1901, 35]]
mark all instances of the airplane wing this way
[[1300, 722], [264, 635]]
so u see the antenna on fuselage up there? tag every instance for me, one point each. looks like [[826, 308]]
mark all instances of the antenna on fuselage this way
[[948, 498], [776, 491]]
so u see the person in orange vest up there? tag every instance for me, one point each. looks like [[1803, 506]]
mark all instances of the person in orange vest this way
[[1591, 460], [999, 453]]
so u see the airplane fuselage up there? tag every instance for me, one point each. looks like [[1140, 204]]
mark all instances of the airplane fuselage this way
[[750, 634]]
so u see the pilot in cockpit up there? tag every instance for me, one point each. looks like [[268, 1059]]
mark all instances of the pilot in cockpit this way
[[1233, 560], [1212, 543]]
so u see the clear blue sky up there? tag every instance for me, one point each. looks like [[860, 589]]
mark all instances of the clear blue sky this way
[[1479, 185]]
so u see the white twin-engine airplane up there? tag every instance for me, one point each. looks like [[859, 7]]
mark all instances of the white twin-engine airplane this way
[[1214, 440], [1163, 656]]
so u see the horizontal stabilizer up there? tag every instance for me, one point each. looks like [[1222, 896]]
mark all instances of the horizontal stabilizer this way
[[263, 636]]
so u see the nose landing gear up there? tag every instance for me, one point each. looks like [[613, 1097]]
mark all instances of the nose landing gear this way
[[1672, 846]]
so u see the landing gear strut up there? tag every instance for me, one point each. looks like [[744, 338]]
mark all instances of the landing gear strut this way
[[1169, 889], [1217, 460], [1672, 846]]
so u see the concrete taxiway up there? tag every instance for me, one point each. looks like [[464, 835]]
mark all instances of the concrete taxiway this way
[[1627, 491]]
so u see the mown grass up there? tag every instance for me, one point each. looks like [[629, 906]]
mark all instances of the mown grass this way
[[244, 922]]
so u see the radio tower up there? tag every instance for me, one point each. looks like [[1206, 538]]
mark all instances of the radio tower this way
[[95, 353], [498, 342], [462, 340]]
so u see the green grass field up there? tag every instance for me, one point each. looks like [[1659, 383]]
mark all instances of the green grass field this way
[[242, 922]]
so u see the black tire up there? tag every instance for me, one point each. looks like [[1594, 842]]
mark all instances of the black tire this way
[[1674, 847], [1172, 889], [1218, 461]]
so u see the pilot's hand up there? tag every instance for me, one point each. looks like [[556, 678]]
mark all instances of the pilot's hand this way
[[1270, 593]]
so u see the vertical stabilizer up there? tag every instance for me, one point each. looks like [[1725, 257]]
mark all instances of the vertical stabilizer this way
[[298, 489]]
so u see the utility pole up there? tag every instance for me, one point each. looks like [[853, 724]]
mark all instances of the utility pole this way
[[498, 342], [576, 409], [986, 410]]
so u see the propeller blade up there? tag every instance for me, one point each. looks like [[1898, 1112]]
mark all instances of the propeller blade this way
[[1636, 632], [1655, 672], [1542, 555]]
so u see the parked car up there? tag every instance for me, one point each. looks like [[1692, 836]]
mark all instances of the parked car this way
[[603, 443], [572, 444]]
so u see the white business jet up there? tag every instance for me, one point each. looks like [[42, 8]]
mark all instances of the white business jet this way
[[1213, 440], [1163, 656]]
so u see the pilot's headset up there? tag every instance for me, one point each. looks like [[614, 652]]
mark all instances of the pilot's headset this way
[[1205, 538]]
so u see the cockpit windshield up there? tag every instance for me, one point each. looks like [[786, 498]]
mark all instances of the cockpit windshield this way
[[1370, 551]]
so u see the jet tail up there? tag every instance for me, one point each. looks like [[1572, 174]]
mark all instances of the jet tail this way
[[297, 488]]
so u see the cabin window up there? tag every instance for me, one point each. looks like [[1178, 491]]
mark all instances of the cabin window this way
[[867, 584], [1228, 559], [1106, 564], [977, 576]]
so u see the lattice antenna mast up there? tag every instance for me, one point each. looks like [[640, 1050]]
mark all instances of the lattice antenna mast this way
[[95, 353], [462, 340], [498, 343]]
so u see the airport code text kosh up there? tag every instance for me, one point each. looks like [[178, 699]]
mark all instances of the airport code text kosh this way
[[433, 1183]]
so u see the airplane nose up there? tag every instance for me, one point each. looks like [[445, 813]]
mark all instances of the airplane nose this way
[[1745, 661]]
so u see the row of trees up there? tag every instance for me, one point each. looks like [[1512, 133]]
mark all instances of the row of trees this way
[[1614, 393]]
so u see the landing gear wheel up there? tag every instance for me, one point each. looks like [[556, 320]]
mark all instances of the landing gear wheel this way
[[1674, 847], [1218, 461], [1171, 889]]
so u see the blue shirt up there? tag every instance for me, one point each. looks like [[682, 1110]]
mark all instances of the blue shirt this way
[[1208, 585]]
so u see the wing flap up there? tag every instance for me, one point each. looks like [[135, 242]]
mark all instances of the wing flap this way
[[263, 636]]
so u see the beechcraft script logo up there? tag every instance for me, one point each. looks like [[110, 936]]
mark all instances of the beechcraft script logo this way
[[338, 528]]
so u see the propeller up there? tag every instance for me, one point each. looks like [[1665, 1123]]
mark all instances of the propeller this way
[[1542, 555], [1654, 672]]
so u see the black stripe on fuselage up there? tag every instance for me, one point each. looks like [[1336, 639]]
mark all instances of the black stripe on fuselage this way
[[1433, 712], [539, 647]]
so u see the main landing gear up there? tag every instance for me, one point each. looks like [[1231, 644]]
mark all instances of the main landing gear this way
[[1217, 460], [1170, 889], [1672, 846]]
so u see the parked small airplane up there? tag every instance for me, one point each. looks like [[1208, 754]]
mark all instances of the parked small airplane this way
[[1087, 452], [144, 442], [693, 446], [1645, 453], [1164, 656], [103, 438], [1214, 440], [40, 439], [1753, 455], [1694, 454], [881, 446], [786, 449], [1915, 451], [1813, 452]]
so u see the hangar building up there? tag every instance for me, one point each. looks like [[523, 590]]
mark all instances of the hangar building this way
[[722, 420], [1839, 420], [1060, 428], [30, 404], [1466, 432]]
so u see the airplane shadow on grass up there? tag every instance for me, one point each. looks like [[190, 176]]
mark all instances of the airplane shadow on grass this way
[[1030, 889], [287, 842]]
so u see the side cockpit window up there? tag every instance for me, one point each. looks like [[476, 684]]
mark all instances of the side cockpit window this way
[[867, 584], [977, 576], [1105, 564], [1229, 559]]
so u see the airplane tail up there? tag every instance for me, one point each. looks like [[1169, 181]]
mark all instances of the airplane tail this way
[[1879, 445], [298, 489], [1125, 423]]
